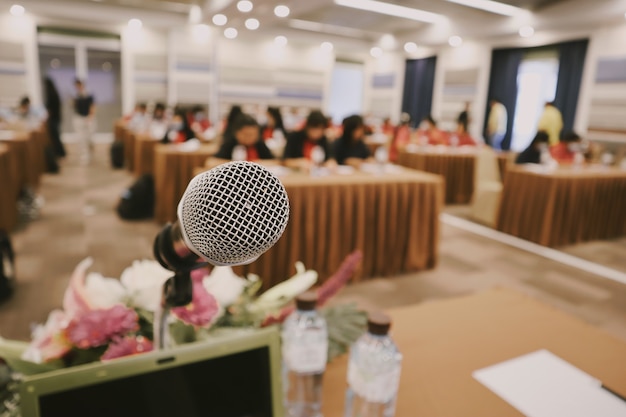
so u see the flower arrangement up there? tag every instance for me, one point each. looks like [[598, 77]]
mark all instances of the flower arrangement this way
[[106, 318]]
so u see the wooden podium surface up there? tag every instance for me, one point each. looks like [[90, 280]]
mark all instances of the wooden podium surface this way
[[443, 342]]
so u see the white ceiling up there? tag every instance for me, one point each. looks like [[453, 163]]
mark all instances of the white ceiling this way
[[319, 19]]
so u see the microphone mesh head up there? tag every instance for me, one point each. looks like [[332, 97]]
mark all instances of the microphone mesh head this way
[[233, 213]]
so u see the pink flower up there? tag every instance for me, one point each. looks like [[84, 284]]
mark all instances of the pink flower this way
[[75, 301], [125, 346], [97, 327], [202, 310], [49, 341]]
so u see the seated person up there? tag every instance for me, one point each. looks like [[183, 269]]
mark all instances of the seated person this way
[[198, 119], [564, 151], [179, 130], [274, 126], [300, 143], [532, 154], [229, 122], [401, 137], [428, 127], [388, 128], [246, 138], [350, 148], [139, 118], [27, 116], [158, 123]]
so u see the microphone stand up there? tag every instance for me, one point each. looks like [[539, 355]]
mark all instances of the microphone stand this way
[[177, 290]]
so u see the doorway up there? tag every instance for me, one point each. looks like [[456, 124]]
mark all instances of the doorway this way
[[64, 58], [536, 85], [346, 91]]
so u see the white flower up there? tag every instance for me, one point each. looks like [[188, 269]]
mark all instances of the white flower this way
[[224, 285], [287, 290], [104, 292], [144, 283]]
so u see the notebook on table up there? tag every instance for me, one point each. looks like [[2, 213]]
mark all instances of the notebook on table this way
[[232, 376]]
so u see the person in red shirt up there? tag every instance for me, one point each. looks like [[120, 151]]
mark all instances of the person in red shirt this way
[[388, 128], [300, 144], [246, 144], [434, 135], [179, 130], [564, 151], [274, 123], [401, 137]]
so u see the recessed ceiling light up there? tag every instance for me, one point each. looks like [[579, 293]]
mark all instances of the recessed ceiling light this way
[[392, 10], [252, 24], [491, 6], [220, 20], [135, 24], [455, 41], [281, 10], [526, 31], [244, 6], [376, 52], [326, 46], [230, 33], [280, 40], [410, 47], [17, 10], [195, 14]]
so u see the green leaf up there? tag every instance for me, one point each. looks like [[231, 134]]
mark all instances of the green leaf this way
[[346, 323]]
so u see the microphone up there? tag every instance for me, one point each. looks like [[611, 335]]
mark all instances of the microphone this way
[[229, 215]]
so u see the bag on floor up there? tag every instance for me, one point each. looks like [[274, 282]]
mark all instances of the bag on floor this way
[[117, 154], [137, 202], [7, 266]]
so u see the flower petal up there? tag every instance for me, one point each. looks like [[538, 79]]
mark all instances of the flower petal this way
[[202, 310], [76, 300]]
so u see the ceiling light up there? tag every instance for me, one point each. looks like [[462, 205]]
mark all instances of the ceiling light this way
[[252, 24], [526, 31], [326, 46], [392, 10], [230, 33], [387, 42], [195, 14], [135, 24], [410, 47], [280, 40], [17, 10], [244, 6], [281, 10], [491, 6], [376, 52], [455, 41], [220, 20]]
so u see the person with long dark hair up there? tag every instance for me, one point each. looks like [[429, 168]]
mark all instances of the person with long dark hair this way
[[350, 148], [300, 144], [179, 130], [53, 106], [274, 124]]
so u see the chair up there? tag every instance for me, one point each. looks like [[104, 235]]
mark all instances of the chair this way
[[485, 202]]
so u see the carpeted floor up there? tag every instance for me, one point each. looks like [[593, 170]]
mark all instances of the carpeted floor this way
[[78, 220]]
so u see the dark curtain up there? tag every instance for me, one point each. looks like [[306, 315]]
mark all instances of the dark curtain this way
[[419, 78], [503, 86], [571, 64]]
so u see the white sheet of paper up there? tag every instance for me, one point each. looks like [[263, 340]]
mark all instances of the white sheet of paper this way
[[540, 384]]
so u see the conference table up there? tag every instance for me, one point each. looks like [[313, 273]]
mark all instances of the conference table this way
[[455, 164], [392, 217], [8, 189], [144, 152], [27, 148], [563, 206], [174, 167], [443, 342]]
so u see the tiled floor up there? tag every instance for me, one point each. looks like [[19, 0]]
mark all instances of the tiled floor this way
[[79, 220]]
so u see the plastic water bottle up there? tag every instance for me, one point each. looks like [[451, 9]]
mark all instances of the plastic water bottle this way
[[373, 371], [305, 351]]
